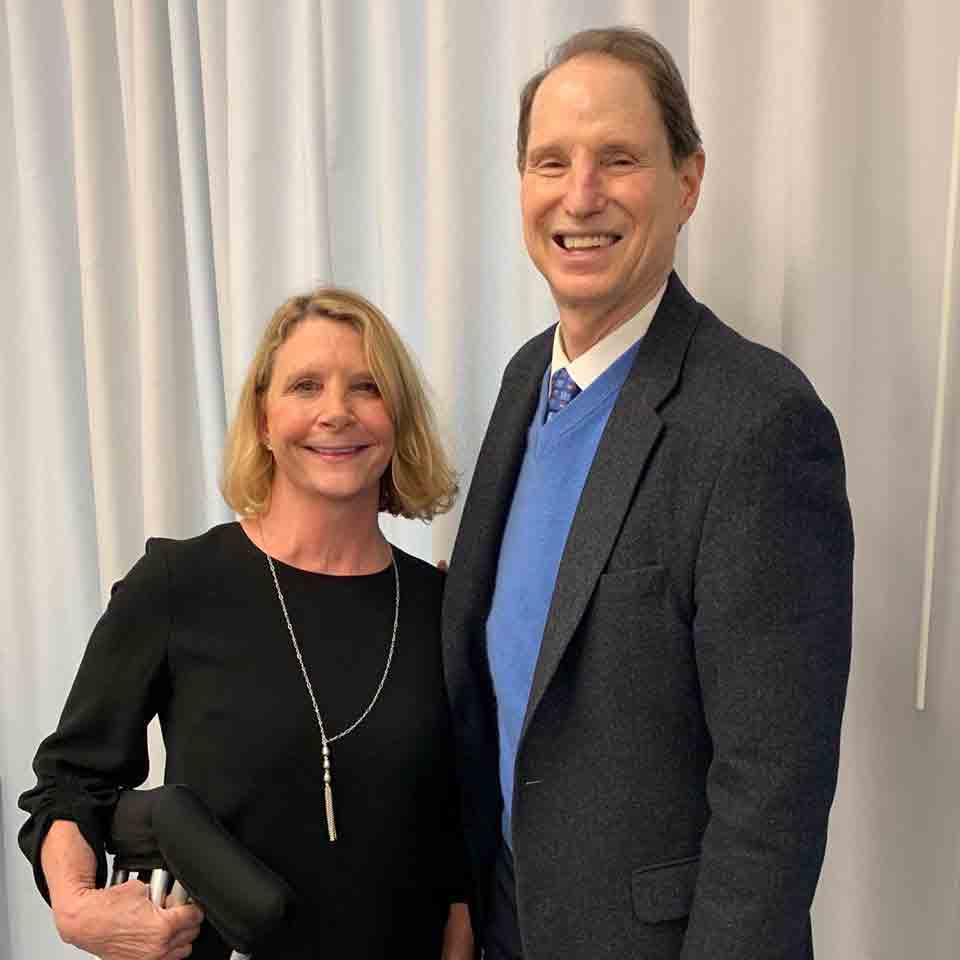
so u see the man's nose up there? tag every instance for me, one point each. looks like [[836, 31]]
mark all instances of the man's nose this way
[[584, 195]]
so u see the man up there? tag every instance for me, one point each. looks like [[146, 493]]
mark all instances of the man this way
[[647, 616]]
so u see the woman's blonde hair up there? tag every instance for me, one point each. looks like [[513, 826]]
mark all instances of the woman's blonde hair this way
[[419, 481]]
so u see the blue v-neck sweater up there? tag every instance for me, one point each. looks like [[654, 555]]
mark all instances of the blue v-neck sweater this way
[[552, 476]]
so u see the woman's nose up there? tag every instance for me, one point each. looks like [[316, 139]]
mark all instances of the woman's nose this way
[[335, 411]]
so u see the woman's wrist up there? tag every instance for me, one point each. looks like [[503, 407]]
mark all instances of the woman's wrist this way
[[67, 904], [70, 869]]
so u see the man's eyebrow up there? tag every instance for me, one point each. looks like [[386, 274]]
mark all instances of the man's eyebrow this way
[[543, 150], [641, 152], [623, 146]]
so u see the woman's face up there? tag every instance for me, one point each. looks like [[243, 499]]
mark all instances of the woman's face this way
[[323, 417]]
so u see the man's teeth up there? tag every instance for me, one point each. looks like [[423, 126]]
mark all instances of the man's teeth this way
[[584, 243]]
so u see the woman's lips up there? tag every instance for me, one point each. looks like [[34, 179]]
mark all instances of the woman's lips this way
[[336, 453]]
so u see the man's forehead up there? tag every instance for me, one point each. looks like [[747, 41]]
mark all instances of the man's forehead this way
[[593, 88], [627, 75]]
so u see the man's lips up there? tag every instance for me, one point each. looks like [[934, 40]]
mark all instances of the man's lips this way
[[586, 241]]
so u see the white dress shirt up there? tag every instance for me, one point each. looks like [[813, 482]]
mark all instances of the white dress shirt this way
[[588, 366]]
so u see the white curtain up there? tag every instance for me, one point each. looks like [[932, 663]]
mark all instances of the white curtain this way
[[173, 170]]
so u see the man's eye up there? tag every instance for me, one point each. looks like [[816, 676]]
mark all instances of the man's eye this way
[[550, 167]]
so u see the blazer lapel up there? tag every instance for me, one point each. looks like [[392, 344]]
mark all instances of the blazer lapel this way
[[473, 567], [617, 469]]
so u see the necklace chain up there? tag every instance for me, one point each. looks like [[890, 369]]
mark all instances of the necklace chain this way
[[324, 739]]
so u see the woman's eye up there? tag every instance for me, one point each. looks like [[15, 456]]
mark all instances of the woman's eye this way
[[306, 386], [369, 386]]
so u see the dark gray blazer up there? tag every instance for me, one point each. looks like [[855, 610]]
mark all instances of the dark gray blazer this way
[[679, 752]]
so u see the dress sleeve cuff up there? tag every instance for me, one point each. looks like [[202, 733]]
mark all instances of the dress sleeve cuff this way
[[90, 830]]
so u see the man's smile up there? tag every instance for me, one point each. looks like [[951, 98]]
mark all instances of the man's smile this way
[[585, 241]]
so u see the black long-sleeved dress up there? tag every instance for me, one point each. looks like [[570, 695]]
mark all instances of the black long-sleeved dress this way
[[195, 634]]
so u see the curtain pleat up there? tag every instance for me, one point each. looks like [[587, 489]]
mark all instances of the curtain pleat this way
[[198, 242]]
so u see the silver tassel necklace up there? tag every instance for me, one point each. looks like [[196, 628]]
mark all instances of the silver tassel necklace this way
[[324, 739]]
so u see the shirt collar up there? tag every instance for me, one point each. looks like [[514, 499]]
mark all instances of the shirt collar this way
[[588, 366]]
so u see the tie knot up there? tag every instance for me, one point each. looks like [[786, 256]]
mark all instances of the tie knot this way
[[563, 389]]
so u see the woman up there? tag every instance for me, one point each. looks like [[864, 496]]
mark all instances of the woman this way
[[293, 659]]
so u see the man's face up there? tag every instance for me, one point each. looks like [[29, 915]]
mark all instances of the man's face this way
[[601, 199]]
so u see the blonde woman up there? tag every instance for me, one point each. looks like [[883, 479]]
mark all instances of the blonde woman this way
[[293, 658]]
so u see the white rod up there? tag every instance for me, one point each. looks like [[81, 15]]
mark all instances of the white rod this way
[[939, 417]]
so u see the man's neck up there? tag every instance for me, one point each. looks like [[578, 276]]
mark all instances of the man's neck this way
[[583, 326], [580, 332]]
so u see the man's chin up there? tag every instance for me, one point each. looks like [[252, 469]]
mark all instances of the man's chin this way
[[583, 296], [599, 295]]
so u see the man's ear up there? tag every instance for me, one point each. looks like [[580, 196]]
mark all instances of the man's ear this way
[[691, 177]]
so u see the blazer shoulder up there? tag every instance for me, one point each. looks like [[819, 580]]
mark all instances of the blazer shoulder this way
[[532, 357], [732, 370]]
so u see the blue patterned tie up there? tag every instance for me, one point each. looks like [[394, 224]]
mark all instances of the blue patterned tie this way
[[562, 390]]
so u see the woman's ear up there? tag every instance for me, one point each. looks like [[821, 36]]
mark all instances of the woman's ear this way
[[262, 432]]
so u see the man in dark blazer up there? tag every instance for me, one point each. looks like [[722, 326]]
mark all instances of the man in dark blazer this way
[[648, 611]]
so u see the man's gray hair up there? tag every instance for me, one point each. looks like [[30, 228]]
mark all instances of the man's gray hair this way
[[634, 47]]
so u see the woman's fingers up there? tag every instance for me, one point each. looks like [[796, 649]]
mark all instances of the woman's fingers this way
[[187, 917], [120, 923], [186, 932]]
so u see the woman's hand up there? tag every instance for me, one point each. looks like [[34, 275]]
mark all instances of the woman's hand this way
[[458, 937], [118, 923]]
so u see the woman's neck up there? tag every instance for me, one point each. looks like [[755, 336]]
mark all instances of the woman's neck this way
[[322, 537]]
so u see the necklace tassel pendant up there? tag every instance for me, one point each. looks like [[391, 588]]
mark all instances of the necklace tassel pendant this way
[[328, 795], [326, 741], [331, 823]]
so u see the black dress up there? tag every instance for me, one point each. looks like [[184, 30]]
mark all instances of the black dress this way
[[195, 634]]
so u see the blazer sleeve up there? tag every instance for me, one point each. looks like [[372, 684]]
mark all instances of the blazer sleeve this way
[[100, 744], [772, 633]]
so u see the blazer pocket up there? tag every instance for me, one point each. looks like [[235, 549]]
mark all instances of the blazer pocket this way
[[628, 585], [665, 892]]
